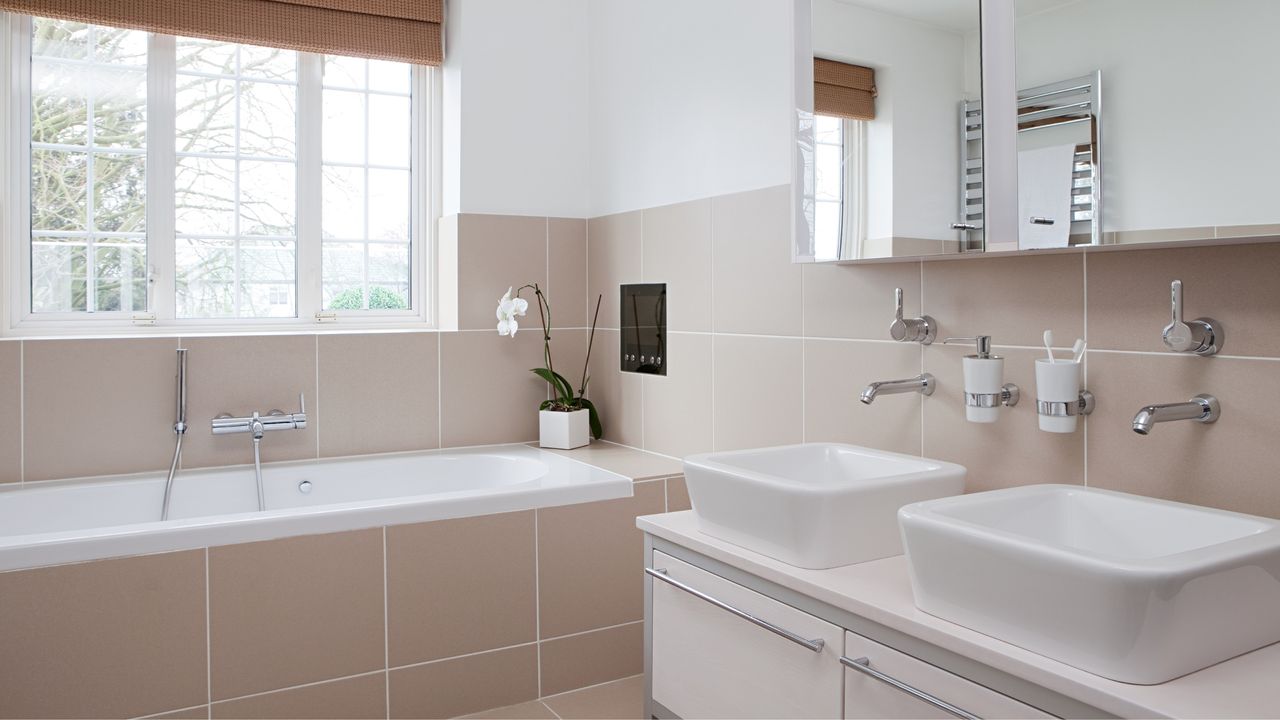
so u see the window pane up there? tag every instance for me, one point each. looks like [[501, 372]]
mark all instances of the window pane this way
[[119, 107], [387, 76], [344, 72], [267, 119], [342, 214], [389, 205], [206, 115], [58, 276], [119, 46], [267, 270], [59, 103], [121, 275], [269, 63], [267, 204], [343, 131], [206, 278], [59, 39], [58, 190], [119, 193], [205, 196], [206, 56], [389, 130]]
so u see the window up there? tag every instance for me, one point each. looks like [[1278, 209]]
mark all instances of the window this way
[[178, 181], [839, 201]]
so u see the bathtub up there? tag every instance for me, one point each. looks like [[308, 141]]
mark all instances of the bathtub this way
[[62, 521]]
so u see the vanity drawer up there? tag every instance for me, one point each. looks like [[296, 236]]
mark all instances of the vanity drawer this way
[[869, 696], [709, 662]]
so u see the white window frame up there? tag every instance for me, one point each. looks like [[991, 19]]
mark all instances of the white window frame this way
[[15, 223]]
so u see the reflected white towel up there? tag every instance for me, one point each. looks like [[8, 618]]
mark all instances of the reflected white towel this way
[[1044, 191]]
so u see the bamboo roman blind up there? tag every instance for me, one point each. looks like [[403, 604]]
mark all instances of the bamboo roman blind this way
[[844, 90], [401, 30]]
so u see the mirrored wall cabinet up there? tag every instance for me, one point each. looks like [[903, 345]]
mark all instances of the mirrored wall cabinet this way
[[928, 128]]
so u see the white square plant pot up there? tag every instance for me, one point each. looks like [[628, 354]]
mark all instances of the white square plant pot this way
[[564, 430]]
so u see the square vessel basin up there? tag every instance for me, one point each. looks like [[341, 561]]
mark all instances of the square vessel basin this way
[[1133, 589], [818, 505]]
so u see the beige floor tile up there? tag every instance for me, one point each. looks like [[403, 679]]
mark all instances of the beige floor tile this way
[[459, 686], [460, 586], [122, 392], [359, 697], [295, 611], [617, 700], [591, 658], [112, 638], [533, 710], [835, 373], [380, 393], [199, 712], [757, 287], [590, 562]]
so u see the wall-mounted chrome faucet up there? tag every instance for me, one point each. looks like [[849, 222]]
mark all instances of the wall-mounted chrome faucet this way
[[923, 384], [257, 426], [1202, 336], [921, 329], [1201, 408]]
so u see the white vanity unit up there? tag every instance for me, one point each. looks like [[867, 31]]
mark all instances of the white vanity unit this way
[[733, 633]]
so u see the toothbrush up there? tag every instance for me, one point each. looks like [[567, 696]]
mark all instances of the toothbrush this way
[[1048, 345], [1077, 350]]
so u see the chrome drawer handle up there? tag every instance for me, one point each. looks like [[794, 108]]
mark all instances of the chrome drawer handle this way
[[863, 665], [814, 645]]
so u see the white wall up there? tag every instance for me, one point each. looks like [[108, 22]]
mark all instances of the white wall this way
[[913, 144], [688, 99], [1190, 106], [515, 130]]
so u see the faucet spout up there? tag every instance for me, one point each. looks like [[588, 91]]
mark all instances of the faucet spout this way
[[1201, 408], [923, 384]]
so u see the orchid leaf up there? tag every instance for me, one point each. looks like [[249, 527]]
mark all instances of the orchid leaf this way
[[597, 430]]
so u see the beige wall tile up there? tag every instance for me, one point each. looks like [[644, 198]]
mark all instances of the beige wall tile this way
[[1159, 235], [293, 611], [114, 638], [757, 287], [677, 406], [620, 699], [10, 411], [115, 398], [1246, 231], [1236, 285], [460, 586], [496, 252], [677, 251], [589, 562], [677, 495], [379, 393], [758, 392], [1012, 299], [1011, 451], [567, 264], [617, 395], [613, 259], [1230, 464], [487, 393], [199, 712], [591, 658], [630, 462], [449, 688], [856, 301], [238, 375], [836, 371], [532, 710], [358, 697]]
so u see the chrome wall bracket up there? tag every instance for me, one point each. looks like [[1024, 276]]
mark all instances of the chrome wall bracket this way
[[1082, 406], [1008, 396]]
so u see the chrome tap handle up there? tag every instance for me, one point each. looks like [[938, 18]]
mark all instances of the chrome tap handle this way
[[922, 329], [1202, 336]]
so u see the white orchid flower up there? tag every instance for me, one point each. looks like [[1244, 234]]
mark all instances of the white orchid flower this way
[[508, 309]]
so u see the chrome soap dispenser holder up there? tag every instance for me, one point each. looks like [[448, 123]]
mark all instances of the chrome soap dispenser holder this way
[[982, 393]]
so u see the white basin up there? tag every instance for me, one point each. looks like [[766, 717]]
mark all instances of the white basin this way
[[817, 506], [1130, 588]]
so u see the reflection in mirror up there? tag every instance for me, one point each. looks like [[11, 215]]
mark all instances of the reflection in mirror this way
[[883, 156], [1189, 146]]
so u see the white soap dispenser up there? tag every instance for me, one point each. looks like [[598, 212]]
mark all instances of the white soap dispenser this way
[[984, 387]]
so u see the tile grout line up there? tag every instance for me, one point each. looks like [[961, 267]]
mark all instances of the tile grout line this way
[[549, 709], [208, 636], [711, 222], [386, 630], [537, 599], [326, 681], [592, 630], [22, 413], [593, 686]]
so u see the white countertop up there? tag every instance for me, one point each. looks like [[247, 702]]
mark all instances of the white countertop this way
[[880, 591]]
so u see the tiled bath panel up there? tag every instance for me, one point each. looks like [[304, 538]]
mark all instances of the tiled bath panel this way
[[435, 619]]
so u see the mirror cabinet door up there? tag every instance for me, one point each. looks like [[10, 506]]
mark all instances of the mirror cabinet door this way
[[888, 158]]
